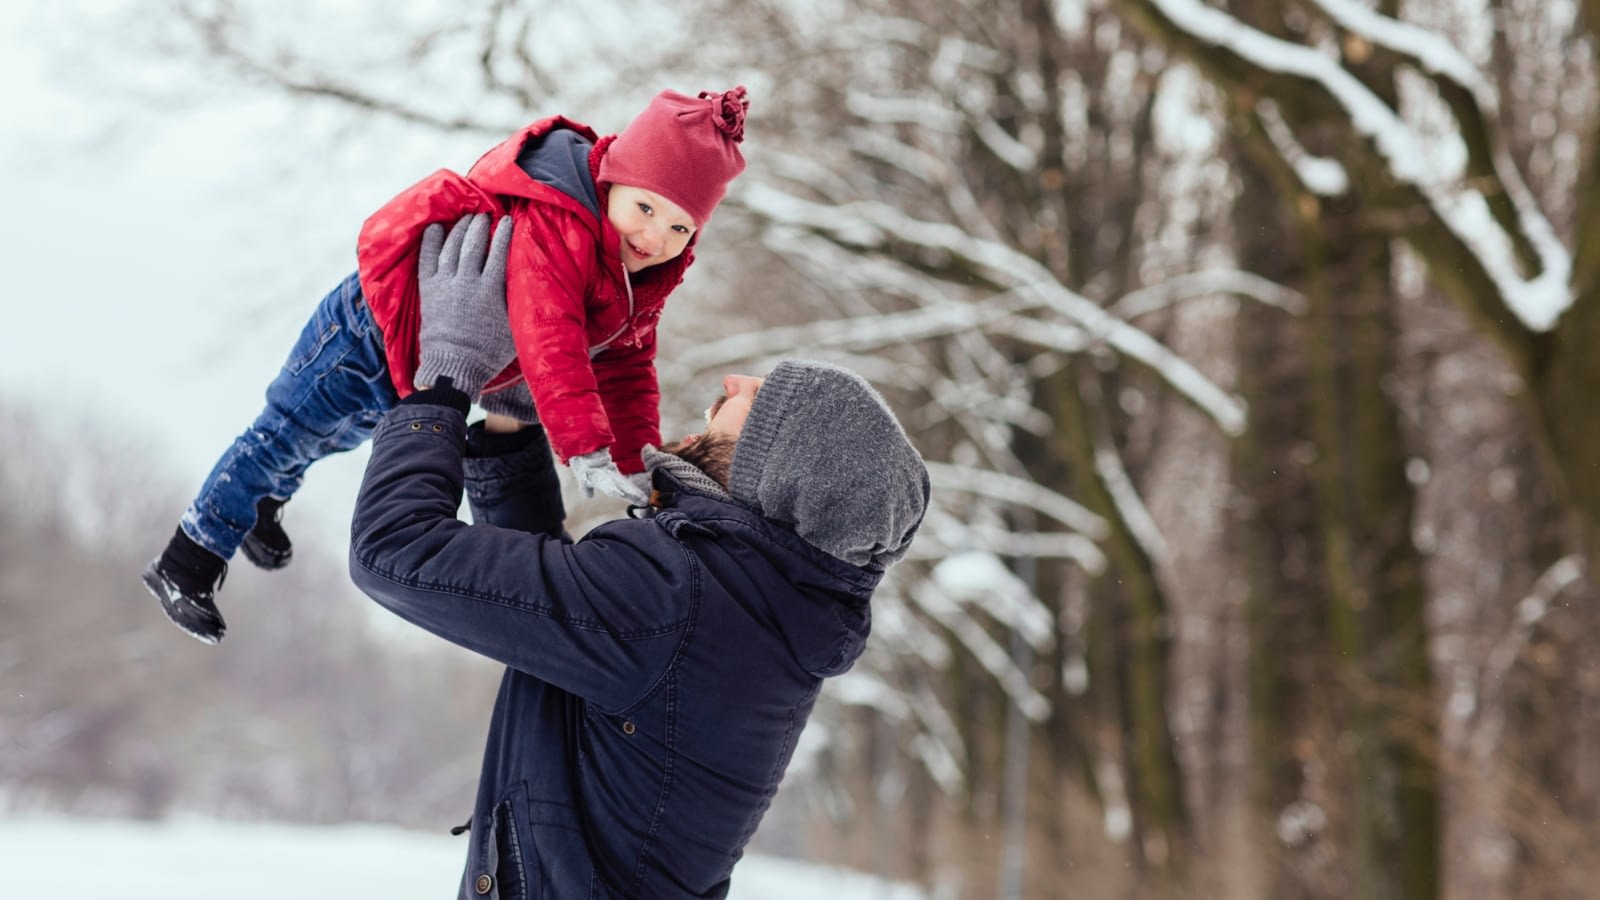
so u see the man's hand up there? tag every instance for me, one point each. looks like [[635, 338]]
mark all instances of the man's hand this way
[[462, 278], [595, 471]]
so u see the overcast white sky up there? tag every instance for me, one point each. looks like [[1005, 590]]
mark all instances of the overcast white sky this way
[[158, 264], [172, 230]]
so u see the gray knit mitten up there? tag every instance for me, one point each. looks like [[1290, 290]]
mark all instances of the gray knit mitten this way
[[462, 278], [595, 471]]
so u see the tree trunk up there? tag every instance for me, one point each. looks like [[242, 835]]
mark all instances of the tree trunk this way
[[1129, 643], [1343, 709]]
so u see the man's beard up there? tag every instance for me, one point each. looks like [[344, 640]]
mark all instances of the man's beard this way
[[710, 453]]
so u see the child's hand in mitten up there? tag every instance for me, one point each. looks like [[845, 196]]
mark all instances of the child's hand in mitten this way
[[595, 471]]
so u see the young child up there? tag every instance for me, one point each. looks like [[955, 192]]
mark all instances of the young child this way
[[603, 232]]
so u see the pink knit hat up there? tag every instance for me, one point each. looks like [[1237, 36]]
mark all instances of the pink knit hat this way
[[683, 148]]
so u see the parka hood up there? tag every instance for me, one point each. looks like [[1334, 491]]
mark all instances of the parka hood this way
[[827, 619]]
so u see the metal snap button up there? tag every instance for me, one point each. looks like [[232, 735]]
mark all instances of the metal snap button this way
[[438, 428], [627, 728], [483, 884], [416, 426]]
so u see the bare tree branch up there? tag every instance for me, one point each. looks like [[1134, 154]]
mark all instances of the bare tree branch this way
[[215, 32]]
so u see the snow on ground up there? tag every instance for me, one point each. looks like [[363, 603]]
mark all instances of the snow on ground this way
[[256, 861]]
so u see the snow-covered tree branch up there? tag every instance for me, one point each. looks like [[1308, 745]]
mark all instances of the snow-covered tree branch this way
[[1467, 208], [1459, 199]]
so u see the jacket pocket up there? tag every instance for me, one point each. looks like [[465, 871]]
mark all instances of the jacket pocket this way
[[503, 862], [566, 863]]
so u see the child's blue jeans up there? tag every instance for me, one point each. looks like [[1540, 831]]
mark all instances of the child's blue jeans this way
[[327, 398]]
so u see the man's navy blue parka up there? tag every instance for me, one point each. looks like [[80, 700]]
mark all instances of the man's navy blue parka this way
[[659, 671]]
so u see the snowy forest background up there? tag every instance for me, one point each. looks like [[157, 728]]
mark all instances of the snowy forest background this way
[[1248, 343]]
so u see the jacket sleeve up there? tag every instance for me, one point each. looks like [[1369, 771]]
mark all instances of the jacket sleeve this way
[[632, 398], [511, 480], [547, 281], [601, 618]]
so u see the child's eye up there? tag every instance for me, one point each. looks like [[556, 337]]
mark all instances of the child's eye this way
[[645, 208], [681, 229]]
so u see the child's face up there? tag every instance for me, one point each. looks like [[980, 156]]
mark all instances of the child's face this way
[[653, 228]]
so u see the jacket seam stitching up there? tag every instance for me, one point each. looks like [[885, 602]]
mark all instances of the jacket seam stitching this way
[[516, 840], [687, 623], [666, 784], [670, 680]]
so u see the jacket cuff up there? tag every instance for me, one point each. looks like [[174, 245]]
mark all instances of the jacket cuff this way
[[443, 393], [517, 489], [482, 443]]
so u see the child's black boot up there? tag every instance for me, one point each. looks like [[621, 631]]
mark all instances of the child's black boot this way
[[267, 545], [185, 578]]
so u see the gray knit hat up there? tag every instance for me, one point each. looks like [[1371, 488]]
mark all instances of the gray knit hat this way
[[821, 451]]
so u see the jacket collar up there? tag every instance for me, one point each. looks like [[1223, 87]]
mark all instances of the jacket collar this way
[[825, 617], [683, 502]]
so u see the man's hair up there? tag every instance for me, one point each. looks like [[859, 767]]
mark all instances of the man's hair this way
[[711, 454]]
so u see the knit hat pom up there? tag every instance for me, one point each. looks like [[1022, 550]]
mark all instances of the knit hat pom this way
[[729, 111]]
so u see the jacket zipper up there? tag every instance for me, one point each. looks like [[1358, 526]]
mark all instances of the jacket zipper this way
[[628, 284]]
